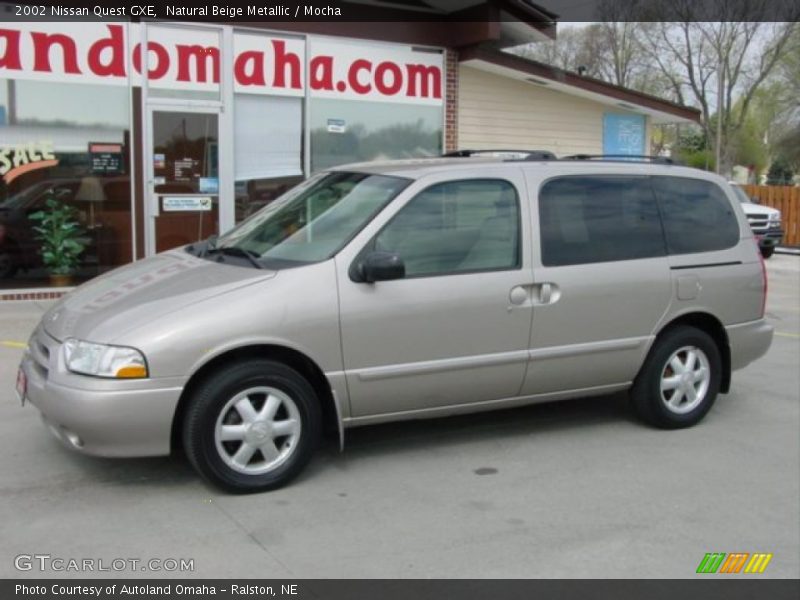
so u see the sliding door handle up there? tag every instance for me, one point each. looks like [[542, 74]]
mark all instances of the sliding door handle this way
[[545, 293]]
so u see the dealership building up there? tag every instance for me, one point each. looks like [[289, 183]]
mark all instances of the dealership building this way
[[221, 118]]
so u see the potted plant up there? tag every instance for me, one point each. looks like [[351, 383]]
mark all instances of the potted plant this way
[[62, 240]]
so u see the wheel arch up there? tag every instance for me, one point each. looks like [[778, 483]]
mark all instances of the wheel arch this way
[[709, 324], [331, 415]]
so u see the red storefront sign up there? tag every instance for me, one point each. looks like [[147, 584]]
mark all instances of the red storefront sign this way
[[189, 59]]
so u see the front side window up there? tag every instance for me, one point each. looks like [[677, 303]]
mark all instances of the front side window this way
[[456, 227], [313, 221], [591, 219], [697, 215]]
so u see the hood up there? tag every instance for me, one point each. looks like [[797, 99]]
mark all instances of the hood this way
[[751, 208], [104, 308]]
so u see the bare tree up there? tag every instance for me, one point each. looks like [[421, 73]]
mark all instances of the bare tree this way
[[615, 40], [785, 133], [569, 51], [610, 49], [716, 64]]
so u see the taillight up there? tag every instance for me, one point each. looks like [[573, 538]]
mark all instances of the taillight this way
[[764, 282]]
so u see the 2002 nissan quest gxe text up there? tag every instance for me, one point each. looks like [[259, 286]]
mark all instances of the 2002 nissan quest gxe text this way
[[402, 290]]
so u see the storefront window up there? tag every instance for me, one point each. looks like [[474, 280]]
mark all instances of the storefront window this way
[[185, 176], [268, 149], [299, 103], [344, 131], [183, 62], [68, 143]]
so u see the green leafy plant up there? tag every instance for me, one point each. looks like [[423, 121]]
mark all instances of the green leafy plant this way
[[780, 172], [61, 236]]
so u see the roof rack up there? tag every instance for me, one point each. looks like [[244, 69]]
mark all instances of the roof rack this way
[[664, 160], [528, 154], [536, 155]]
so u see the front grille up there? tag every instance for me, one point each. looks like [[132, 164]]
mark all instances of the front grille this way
[[43, 350], [757, 223]]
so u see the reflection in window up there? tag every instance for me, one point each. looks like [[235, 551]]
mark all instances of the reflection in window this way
[[587, 219], [268, 146], [313, 221], [53, 147], [697, 215], [345, 131], [185, 152], [456, 227]]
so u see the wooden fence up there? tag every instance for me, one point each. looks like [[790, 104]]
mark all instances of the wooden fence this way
[[787, 200]]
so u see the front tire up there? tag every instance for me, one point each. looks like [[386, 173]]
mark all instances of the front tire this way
[[252, 426], [767, 251], [679, 380]]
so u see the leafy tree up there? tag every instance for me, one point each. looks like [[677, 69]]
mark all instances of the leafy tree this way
[[699, 159], [703, 57], [780, 172], [786, 137], [788, 146], [686, 51]]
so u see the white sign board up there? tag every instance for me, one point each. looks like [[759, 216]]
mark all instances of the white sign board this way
[[189, 59], [186, 203]]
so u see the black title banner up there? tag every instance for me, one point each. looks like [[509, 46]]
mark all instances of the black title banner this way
[[541, 13], [404, 589]]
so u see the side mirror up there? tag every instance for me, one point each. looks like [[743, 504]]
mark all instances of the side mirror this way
[[755, 200], [379, 266]]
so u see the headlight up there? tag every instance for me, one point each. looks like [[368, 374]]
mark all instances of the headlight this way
[[100, 360], [775, 218]]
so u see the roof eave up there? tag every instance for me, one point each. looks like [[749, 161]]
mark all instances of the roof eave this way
[[662, 110]]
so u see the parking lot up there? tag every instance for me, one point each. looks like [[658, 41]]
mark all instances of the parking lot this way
[[573, 489]]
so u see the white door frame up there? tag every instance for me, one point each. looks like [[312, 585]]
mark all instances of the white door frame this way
[[226, 208], [152, 208]]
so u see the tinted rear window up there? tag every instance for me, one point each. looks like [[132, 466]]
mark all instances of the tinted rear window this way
[[697, 215], [590, 219]]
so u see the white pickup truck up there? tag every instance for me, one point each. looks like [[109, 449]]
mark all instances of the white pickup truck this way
[[764, 221]]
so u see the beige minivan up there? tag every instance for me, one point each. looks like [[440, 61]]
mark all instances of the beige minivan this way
[[406, 290]]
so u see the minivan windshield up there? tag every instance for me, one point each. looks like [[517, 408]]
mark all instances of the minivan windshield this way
[[311, 222]]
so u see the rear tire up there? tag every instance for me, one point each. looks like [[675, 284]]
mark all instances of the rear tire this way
[[766, 252], [679, 380], [252, 426]]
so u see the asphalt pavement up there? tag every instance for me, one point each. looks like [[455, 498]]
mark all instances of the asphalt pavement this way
[[572, 489]]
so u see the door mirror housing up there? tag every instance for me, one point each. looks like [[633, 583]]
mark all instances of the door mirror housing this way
[[754, 200], [379, 266]]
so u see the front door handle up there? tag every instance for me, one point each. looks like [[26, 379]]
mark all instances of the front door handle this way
[[533, 293]]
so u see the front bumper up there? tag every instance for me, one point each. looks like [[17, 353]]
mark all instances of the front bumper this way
[[95, 416], [748, 341], [769, 238]]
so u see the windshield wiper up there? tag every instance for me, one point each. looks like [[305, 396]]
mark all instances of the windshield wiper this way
[[235, 251], [211, 244], [201, 248]]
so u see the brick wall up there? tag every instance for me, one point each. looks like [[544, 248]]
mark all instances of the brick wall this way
[[32, 295], [451, 101]]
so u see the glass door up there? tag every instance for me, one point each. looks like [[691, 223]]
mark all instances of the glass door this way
[[184, 182]]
